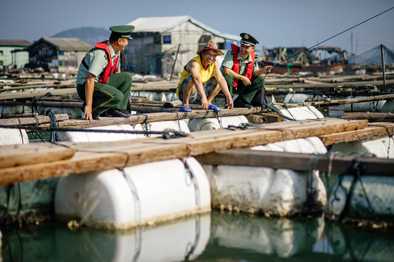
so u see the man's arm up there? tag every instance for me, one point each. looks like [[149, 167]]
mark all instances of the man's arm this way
[[244, 79], [223, 85], [89, 89], [194, 68], [265, 69]]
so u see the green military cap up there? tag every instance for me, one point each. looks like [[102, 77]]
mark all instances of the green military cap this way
[[123, 31], [248, 40]]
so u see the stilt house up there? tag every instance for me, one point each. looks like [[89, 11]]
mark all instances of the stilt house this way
[[13, 54], [61, 55]]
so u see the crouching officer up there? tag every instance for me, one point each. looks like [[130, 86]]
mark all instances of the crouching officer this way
[[243, 76], [99, 81]]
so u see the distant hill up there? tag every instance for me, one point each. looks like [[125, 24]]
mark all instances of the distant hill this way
[[91, 35]]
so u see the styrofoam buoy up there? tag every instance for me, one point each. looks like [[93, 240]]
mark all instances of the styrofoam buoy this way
[[188, 238], [214, 123], [151, 96], [380, 147], [302, 113], [374, 191], [274, 192], [10, 136], [310, 145], [371, 106], [298, 98], [102, 137], [388, 107], [142, 195]]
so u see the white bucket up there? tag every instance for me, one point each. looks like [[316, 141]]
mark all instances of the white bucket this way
[[102, 137], [183, 240], [10, 136], [302, 113], [213, 123], [142, 195]]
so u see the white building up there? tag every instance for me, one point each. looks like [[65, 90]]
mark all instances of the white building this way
[[159, 41]]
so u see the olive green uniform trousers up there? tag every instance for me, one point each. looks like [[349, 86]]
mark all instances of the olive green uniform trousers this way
[[115, 94], [247, 93]]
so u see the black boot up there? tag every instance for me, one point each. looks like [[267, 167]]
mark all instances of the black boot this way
[[239, 102], [112, 112], [259, 98]]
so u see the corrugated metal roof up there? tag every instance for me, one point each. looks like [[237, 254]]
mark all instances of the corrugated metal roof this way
[[162, 24], [6, 42], [68, 44]]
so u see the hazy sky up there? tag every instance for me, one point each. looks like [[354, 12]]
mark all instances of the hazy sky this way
[[273, 23]]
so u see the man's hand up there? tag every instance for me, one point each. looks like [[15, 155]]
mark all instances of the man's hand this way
[[88, 113], [204, 103], [229, 102], [268, 69], [246, 81]]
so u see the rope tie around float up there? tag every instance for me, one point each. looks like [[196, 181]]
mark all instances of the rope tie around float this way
[[193, 179]]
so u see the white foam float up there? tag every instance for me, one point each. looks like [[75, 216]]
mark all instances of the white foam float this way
[[151, 96], [302, 113], [10, 136], [102, 137], [380, 147], [371, 106], [142, 195], [298, 98], [214, 123], [278, 192], [183, 240], [388, 107], [376, 191]]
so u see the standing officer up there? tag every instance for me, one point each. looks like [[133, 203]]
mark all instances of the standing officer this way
[[99, 81], [242, 73]]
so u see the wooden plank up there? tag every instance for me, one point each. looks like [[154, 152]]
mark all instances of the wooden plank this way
[[40, 119], [157, 117], [371, 117], [298, 161], [128, 153], [29, 95], [356, 135], [30, 154]]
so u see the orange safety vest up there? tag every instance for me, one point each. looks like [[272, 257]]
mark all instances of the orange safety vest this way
[[249, 69], [110, 69]]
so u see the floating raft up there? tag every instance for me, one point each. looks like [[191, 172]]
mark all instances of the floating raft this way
[[91, 157]]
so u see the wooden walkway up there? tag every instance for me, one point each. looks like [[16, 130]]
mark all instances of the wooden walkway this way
[[16, 167]]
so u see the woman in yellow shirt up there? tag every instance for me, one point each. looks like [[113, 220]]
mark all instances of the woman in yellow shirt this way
[[202, 80]]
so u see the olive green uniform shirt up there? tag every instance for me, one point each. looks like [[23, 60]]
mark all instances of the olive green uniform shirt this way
[[228, 62], [97, 61]]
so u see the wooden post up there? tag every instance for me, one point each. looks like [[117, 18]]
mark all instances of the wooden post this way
[[176, 56], [383, 64]]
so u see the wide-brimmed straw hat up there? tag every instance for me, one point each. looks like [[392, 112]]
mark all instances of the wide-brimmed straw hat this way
[[211, 45]]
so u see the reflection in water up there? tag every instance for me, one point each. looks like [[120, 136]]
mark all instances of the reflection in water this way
[[210, 237]]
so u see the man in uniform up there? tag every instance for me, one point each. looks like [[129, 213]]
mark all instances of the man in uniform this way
[[243, 76], [99, 81]]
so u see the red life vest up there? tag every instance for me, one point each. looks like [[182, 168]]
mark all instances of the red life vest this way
[[110, 69], [249, 68]]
